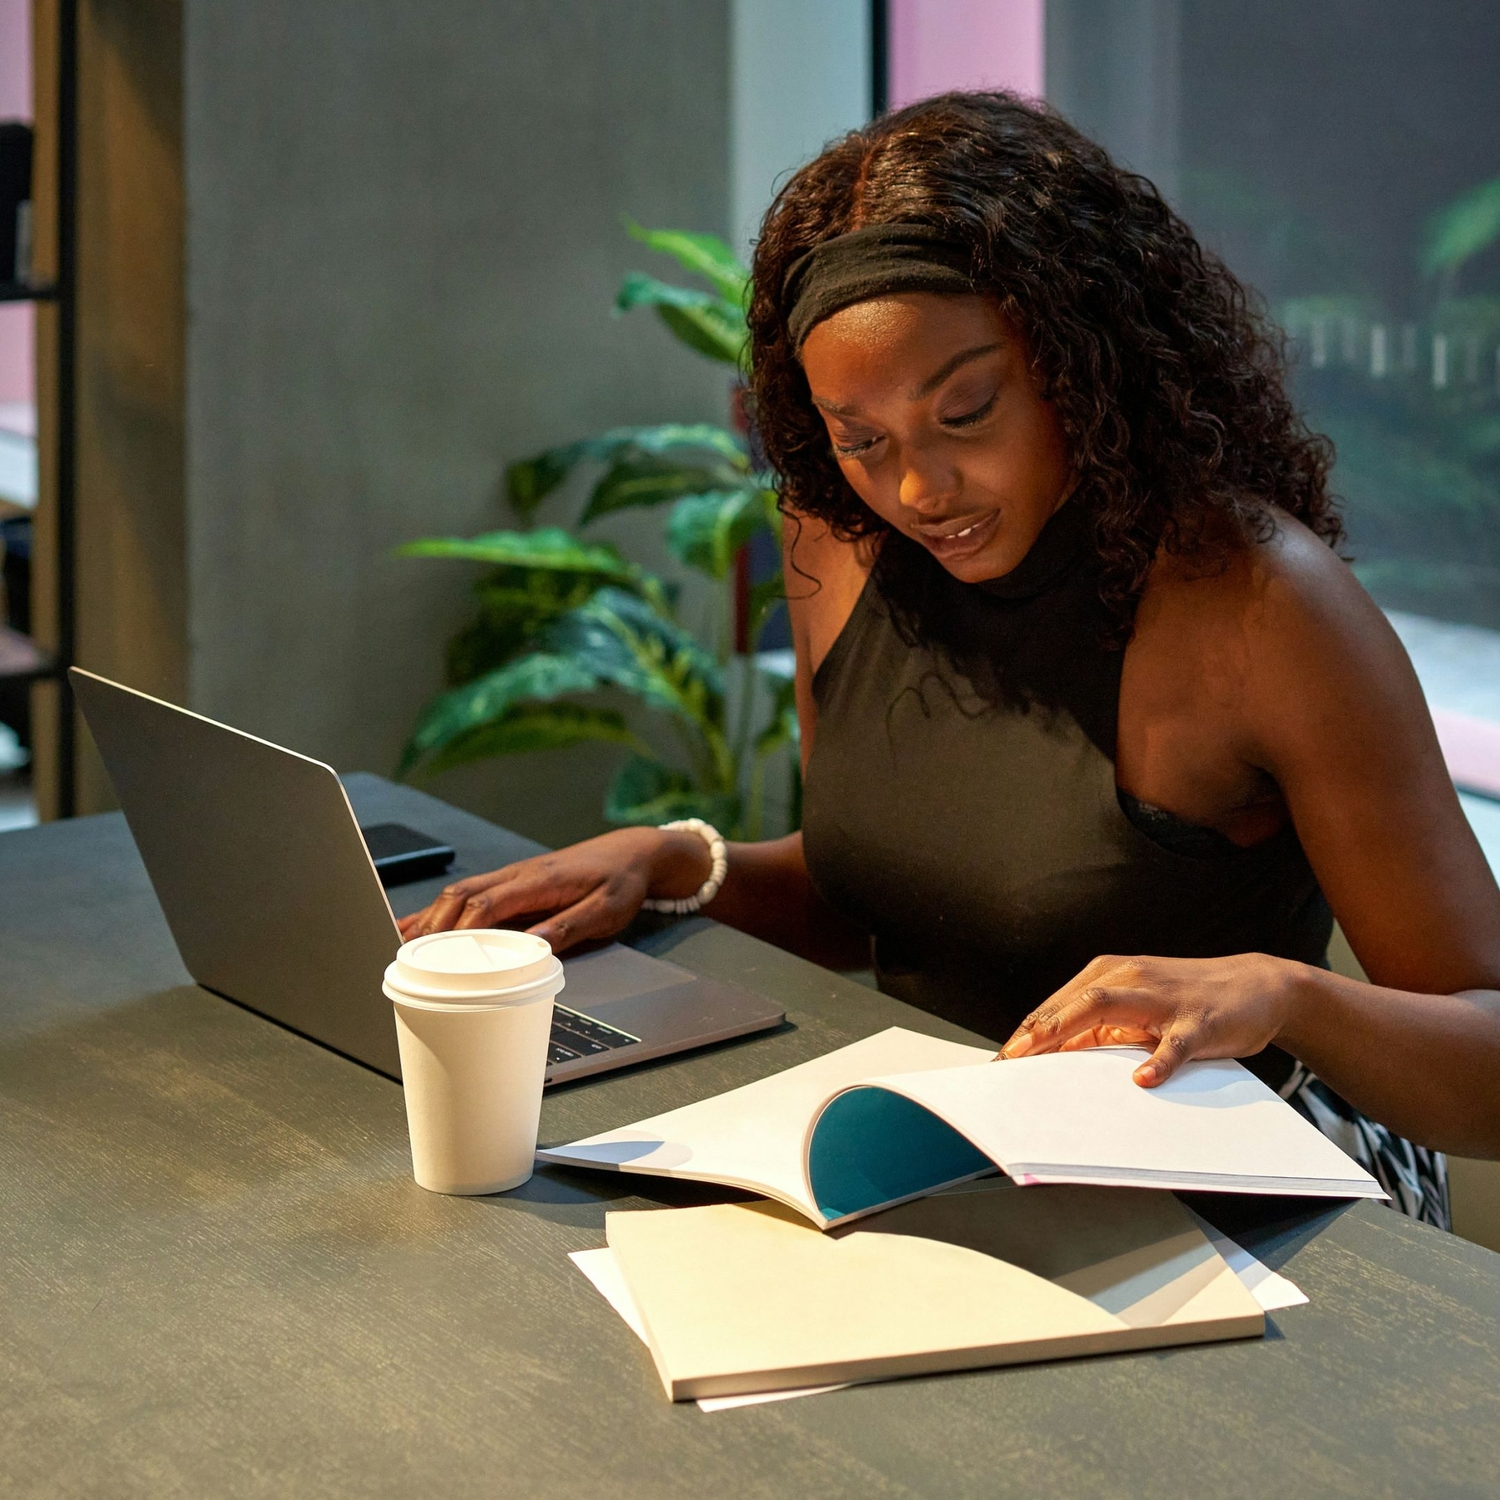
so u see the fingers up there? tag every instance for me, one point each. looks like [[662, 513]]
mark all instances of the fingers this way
[[1107, 994], [510, 893], [601, 914], [1098, 1007], [1174, 1049], [443, 913], [493, 898], [1111, 1036], [1102, 1017], [1181, 1008], [1020, 1041]]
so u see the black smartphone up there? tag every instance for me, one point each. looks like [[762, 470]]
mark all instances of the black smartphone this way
[[403, 855]]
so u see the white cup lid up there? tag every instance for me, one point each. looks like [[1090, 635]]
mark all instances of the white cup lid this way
[[462, 963]]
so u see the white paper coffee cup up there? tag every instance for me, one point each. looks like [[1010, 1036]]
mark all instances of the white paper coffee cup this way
[[473, 1019]]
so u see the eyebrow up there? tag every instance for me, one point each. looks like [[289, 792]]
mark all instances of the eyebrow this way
[[928, 386], [834, 407], [959, 360]]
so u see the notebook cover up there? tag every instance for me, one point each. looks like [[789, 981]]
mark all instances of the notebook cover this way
[[739, 1298]]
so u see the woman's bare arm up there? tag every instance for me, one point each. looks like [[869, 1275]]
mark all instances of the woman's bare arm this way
[[594, 889], [1331, 710], [1340, 723]]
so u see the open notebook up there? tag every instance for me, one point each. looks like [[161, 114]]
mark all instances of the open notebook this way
[[741, 1298], [900, 1115]]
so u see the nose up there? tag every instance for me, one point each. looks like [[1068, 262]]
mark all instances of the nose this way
[[928, 488]]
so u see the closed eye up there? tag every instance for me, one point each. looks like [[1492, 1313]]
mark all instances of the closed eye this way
[[971, 418], [854, 447]]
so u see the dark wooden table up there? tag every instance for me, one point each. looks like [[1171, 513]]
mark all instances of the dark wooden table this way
[[218, 1278]]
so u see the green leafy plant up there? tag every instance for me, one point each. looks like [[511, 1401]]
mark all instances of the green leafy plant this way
[[561, 618], [1462, 229]]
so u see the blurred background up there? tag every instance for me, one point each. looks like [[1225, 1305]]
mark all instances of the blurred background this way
[[290, 286]]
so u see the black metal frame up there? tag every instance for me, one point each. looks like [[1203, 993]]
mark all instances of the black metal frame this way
[[67, 404], [880, 57]]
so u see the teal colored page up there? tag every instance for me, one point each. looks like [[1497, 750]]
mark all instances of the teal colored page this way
[[871, 1147]]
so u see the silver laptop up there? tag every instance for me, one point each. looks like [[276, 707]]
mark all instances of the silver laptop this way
[[272, 897]]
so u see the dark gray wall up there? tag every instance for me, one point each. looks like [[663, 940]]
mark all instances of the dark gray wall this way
[[403, 239], [1114, 69], [1358, 117]]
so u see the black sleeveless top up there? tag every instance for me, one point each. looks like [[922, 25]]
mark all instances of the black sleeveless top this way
[[961, 804]]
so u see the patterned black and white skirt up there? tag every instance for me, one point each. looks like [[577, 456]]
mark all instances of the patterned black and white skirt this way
[[1416, 1178]]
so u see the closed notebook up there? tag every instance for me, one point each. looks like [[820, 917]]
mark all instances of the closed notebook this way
[[741, 1298], [900, 1115]]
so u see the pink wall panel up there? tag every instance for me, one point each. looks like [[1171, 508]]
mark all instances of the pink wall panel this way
[[16, 319], [937, 45]]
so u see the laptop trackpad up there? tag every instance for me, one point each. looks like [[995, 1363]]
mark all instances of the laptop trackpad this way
[[616, 972]]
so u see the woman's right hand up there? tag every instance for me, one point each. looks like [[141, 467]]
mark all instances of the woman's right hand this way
[[588, 891]]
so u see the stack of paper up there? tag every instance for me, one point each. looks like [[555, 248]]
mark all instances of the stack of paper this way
[[881, 1256], [738, 1298]]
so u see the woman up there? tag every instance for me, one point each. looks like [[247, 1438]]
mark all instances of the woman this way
[[1079, 671]]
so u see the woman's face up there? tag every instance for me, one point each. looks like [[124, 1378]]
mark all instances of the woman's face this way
[[937, 424]]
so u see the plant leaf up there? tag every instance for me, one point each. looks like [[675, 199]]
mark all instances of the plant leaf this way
[[462, 710], [1481, 438], [652, 481], [529, 481], [705, 323], [672, 437], [784, 727], [514, 604], [641, 787], [622, 640], [550, 547], [705, 531], [645, 790], [705, 255], [1463, 228], [534, 726]]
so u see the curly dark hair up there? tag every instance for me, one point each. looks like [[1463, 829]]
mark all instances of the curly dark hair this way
[[1167, 378]]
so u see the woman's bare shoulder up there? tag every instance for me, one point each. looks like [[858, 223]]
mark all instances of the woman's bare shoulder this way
[[1278, 625], [824, 576], [815, 554], [1279, 579]]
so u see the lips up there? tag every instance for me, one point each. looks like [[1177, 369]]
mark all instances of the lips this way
[[951, 540]]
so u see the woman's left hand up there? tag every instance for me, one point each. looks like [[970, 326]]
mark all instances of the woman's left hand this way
[[1182, 1008]]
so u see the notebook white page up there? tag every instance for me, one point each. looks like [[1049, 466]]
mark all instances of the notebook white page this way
[[752, 1137], [1080, 1117]]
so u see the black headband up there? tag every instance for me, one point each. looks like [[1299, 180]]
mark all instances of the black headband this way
[[879, 260]]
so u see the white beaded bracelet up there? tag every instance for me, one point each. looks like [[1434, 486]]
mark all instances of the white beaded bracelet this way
[[711, 836]]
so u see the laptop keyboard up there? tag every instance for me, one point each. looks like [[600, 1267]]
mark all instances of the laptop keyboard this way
[[577, 1035]]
